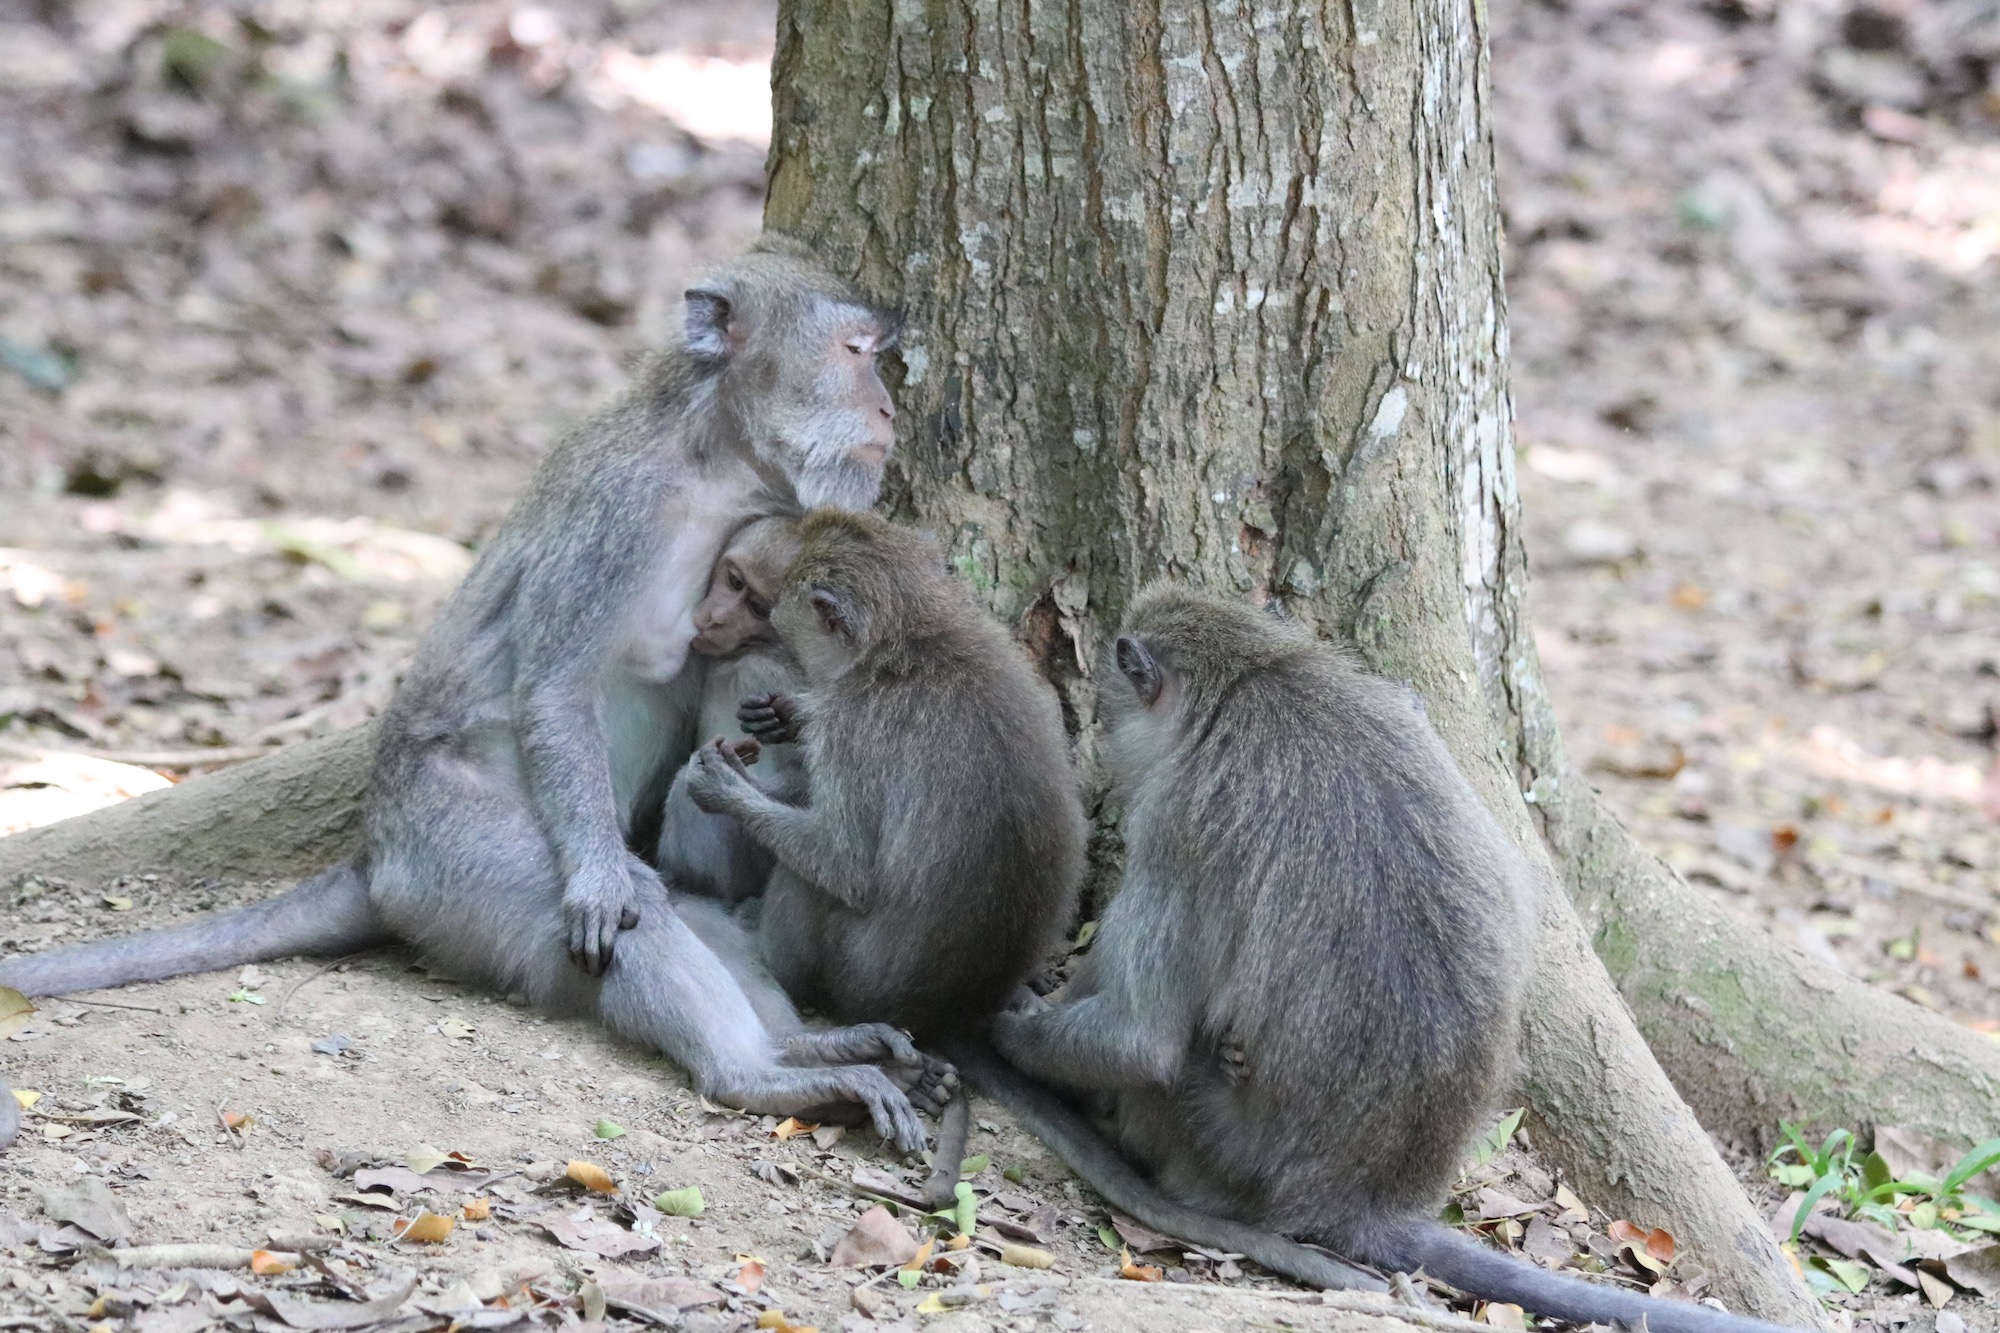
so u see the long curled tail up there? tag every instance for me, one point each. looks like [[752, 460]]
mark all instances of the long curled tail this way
[[327, 914], [1486, 1272], [1087, 1154]]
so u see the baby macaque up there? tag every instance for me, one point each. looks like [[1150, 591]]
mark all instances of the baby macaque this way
[[739, 656]]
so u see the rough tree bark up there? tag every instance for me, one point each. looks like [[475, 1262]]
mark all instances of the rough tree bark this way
[[1213, 292]]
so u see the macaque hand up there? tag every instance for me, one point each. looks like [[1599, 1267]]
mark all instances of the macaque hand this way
[[595, 909], [717, 779], [772, 718]]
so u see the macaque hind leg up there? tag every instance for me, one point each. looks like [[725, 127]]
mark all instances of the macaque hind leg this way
[[668, 989]]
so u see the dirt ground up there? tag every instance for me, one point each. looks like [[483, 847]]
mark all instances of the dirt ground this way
[[293, 293]]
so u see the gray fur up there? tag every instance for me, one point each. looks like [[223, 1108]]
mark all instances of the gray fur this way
[[942, 847], [547, 708], [1305, 997], [10, 1114]]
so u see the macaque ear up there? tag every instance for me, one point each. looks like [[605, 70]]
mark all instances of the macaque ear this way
[[710, 334], [1140, 668], [836, 617]]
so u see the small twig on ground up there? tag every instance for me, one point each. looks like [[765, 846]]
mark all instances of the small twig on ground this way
[[194, 1256], [315, 975], [114, 1004]]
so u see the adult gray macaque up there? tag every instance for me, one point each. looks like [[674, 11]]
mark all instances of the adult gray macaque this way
[[1305, 996], [739, 655], [547, 708], [941, 849]]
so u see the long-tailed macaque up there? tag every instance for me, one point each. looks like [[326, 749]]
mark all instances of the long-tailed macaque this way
[[941, 847], [547, 708], [1306, 994]]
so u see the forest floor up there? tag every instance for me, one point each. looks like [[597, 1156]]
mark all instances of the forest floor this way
[[294, 293]]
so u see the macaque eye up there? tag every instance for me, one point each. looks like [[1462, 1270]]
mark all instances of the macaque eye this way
[[861, 346], [759, 608], [734, 580]]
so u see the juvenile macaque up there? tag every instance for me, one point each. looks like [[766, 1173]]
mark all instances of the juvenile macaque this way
[[739, 655], [547, 709], [942, 845], [1305, 996]]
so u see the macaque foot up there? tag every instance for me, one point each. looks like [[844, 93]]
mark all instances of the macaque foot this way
[[772, 718], [927, 1081]]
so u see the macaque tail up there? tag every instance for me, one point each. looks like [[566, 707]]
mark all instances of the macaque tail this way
[[1465, 1263], [1045, 1115], [10, 1115], [954, 1132], [327, 914]]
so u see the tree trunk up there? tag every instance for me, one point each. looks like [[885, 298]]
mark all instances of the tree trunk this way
[[1213, 294], [278, 817]]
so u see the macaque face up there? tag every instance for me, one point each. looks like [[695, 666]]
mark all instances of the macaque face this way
[[735, 616]]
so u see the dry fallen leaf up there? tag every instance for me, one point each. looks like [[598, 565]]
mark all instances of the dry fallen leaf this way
[[789, 1126], [91, 1205], [27, 1097], [236, 1120], [592, 1177], [1141, 1238], [475, 1210], [1494, 1204], [423, 1158], [266, 1264], [625, 1291], [875, 1239], [1501, 1315], [15, 1011], [584, 1231], [1651, 1250], [775, 1319], [751, 1275], [426, 1226], [1138, 1272], [326, 1315], [1025, 1256], [921, 1257], [1656, 1242]]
